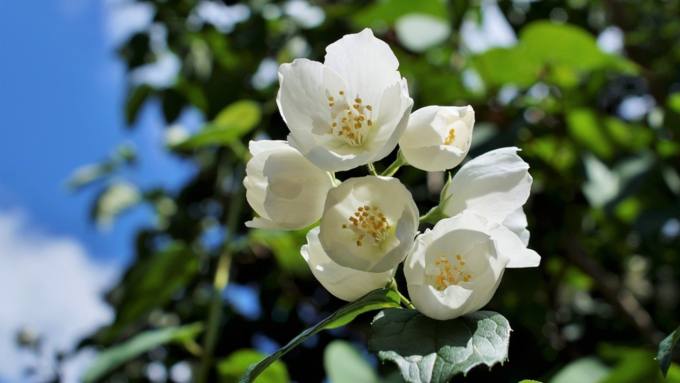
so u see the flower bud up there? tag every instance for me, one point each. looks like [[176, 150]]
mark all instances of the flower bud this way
[[284, 188], [438, 137]]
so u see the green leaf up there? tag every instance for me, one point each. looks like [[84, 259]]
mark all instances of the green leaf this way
[[666, 350], [585, 370], [152, 281], [500, 66], [232, 123], [135, 100], [550, 43], [389, 11], [672, 112], [87, 174], [343, 363], [375, 300], [428, 350], [585, 128], [634, 365], [115, 356], [231, 368], [419, 32], [114, 200]]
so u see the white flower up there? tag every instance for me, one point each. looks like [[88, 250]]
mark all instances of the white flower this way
[[369, 223], [286, 190], [343, 282], [455, 268], [495, 185], [348, 111], [438, 137]]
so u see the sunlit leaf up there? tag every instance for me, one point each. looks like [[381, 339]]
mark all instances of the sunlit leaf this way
[[390, 10], [113, 357], [548, 43], [629, 136], [115, 199], [428, 350], [232, 367], [89, 173], [419, 32], [232, 123], [375, 300], [586, 129], [585, 370], [343, 363], [500, 66], [635, 365]]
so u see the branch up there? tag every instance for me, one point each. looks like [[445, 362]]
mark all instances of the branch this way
[[620, 298]]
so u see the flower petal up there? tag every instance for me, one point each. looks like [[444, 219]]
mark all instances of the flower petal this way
[[367, 64], [345, 283], [298, 98], [517, 223], [441, 305], [511, 246], [493, 185]]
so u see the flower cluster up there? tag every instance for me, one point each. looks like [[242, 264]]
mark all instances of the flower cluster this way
[[353, 110]]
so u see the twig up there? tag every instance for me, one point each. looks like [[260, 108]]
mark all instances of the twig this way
[[621, 299]]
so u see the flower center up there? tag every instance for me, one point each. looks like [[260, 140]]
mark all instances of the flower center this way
[[370, 224], [452, 136], [445, 273], [352, 123]]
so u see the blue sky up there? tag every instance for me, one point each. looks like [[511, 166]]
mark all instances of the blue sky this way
[[61, 100]]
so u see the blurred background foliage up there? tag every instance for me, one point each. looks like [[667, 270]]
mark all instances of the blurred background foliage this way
[[590, 91]]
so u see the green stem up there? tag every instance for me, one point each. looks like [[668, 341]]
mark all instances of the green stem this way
[[371, 169], [433, 216], [220, 282], [399, 162], [406, 302], [393, 285]]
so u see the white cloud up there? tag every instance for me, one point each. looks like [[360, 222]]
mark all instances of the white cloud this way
[[48, 284], [125, 18]]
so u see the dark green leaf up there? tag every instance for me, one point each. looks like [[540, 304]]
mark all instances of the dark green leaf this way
[[151, 283], [135, 100], [375, 300], [233, 367], [428, 350], [173, 102], [666, 350], [230, 124], [115, 356]]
